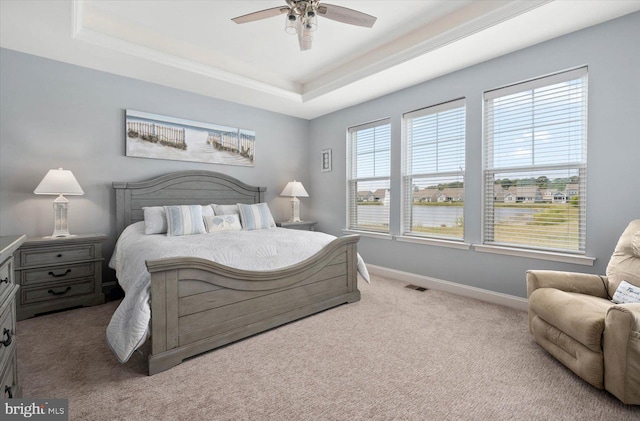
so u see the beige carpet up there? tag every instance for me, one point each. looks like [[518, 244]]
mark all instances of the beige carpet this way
[[398, 354]]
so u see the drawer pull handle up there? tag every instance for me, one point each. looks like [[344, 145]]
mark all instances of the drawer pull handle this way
[[7, 391], [7, 341], [4, 281], [52, 292], [60, 275]]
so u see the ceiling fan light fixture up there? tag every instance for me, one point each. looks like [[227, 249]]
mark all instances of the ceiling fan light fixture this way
[[311, 20], [291, 26]]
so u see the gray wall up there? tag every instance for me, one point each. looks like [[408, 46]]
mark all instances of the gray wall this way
[[611, 52], [57, 115], [54, 115]]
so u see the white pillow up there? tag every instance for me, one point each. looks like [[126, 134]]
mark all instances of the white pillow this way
[[207, 211], [222, 223], [626, 293], [256, 217], [155, 220], [225, 209], [184, 220]]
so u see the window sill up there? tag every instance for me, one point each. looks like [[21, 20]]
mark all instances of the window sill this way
[[433, 242], [379, 235], [536, 254]]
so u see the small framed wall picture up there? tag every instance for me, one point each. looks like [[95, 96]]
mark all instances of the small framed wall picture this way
[[325, 164]]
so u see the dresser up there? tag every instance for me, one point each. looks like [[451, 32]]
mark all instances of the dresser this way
[[9, 385], [59, 273]]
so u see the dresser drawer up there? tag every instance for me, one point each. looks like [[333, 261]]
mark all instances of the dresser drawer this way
[[58, 292], [56, 274], [46, 256], [6, 278], [9, 380], [7, 332]]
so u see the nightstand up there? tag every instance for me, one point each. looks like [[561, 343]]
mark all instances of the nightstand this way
[[59, 273], [302, 225]]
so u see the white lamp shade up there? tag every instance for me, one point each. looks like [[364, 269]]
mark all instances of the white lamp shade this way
[[294, 189], [59, 182]]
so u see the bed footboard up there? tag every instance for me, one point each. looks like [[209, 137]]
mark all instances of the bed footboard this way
[[198, 305]]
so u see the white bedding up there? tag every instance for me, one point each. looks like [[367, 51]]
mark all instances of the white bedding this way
[[249, 250]]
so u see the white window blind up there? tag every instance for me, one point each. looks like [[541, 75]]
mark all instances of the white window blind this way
[[368, 176], [433, 171], [535, 163]]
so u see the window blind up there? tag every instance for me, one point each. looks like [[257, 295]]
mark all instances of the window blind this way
[[433, 171], [368, 176], [535, 163]]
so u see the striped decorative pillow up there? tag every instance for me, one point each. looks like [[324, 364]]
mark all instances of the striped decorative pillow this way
[[256, 217], [184, 220]]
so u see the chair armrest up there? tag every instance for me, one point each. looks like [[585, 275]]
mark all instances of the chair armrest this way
[[621, 348], [582, 283]]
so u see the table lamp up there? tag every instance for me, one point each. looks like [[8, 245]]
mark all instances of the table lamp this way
[[294, 189], [59, 182]]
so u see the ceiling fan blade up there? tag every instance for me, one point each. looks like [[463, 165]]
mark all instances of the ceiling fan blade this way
[[262, 14], [346, 15]]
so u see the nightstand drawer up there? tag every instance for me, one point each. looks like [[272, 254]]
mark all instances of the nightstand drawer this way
[[57, 292], [56, 274], [7, 332], [45, 256], [6, 277]]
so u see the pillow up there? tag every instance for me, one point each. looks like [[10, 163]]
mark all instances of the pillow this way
[[184, 220], [222, 223], [255, 217], [207, 211], [626, 293], [225, 209], [155, 220]]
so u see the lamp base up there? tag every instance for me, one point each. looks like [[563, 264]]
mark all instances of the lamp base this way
[[60, 206], [295, 210], [58, 234]]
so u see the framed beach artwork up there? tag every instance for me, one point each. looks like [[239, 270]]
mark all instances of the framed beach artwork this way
[[325, 160], [161, 137]]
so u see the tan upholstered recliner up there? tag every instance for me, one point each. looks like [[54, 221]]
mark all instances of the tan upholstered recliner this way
[[571, 316]]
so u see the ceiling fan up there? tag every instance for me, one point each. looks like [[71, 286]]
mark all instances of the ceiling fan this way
[[302, 18]]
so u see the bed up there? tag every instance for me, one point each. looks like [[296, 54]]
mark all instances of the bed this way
[[196, 304]]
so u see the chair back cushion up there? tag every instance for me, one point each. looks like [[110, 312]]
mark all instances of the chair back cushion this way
[[625, 262]]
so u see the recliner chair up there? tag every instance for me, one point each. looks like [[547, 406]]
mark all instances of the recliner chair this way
[[571, 316]]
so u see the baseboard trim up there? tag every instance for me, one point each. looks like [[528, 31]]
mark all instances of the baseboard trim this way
[[512, 301]]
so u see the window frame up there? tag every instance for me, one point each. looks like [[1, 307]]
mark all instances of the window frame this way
[[408, 175], [490, 170], [353, 180]]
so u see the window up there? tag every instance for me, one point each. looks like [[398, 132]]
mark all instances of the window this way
[[368, 176], [535, 163], [433, 171]]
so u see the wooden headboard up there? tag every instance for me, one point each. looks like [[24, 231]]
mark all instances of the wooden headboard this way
[[180, 188]]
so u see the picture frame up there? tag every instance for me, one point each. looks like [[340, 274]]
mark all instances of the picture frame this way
[[325, 160], [161, 137]]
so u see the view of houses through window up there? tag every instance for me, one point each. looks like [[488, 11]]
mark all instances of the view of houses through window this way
[[369, 176], [535, 163], [534, 167], [433, 174]]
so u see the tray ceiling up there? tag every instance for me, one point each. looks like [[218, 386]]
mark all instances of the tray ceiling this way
[[194, 45]]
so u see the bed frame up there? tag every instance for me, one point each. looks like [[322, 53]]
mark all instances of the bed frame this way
[[198, 305]]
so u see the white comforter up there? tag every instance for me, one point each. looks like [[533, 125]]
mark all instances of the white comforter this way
[[250, 250]]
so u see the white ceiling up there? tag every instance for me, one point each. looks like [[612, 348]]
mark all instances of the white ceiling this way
[[194, 45]]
